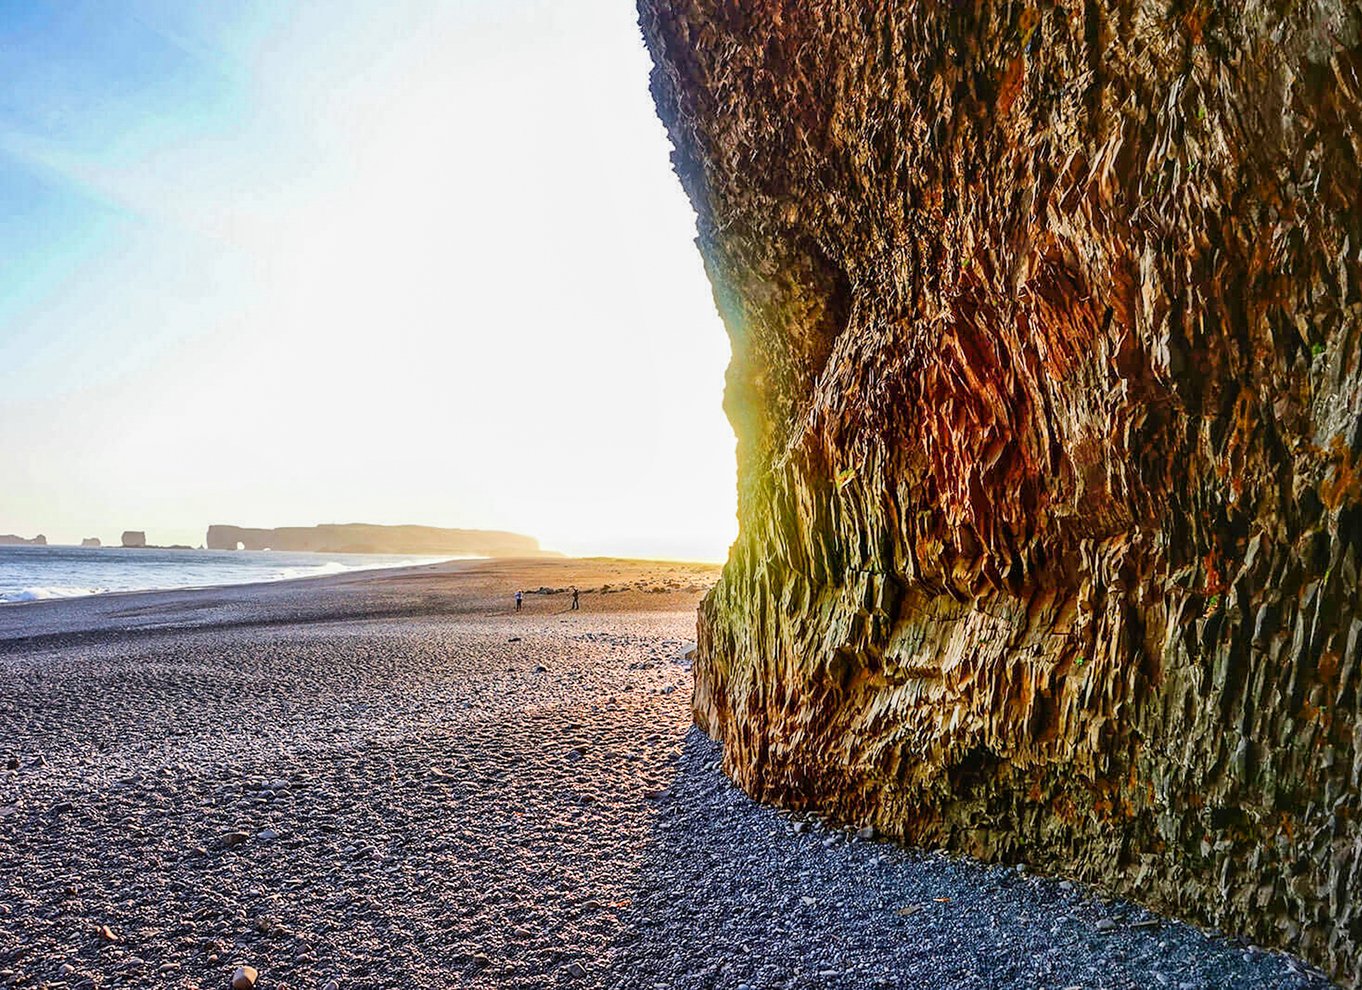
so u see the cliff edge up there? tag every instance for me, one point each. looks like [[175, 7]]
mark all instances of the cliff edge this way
[[1046, 324]]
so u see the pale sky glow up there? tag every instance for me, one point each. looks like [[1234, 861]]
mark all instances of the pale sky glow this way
[[274, 264]]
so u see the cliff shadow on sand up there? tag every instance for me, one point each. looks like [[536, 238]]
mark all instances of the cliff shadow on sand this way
[[732, 894]]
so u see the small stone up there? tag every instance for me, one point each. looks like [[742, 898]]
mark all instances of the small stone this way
[[1106, 925], [278, 784], [800, 827], [331, 985], [244, 978], [576, 970], [235, 838], [267, 835], [66, 969], [539, 668], [107, 934], [865, 833], [829, 842]]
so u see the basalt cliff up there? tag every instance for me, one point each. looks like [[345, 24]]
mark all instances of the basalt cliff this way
[[1046, 327]]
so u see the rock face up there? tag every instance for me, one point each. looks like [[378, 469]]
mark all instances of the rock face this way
[[10, 540], [90, 541], [1046, 325], [365, 538], [134, 538]]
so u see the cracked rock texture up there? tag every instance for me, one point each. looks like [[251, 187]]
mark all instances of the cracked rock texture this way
[[1045, 320]]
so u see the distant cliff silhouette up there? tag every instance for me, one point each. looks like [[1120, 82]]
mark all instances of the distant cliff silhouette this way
[[10, 540], [366, 538]]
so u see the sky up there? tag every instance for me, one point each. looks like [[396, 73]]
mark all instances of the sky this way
[[389, 261]]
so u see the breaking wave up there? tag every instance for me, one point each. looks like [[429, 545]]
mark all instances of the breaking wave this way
[[35, 574], [317, 570], [42, 594]]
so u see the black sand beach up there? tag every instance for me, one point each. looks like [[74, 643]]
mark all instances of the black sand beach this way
[[390, 779]]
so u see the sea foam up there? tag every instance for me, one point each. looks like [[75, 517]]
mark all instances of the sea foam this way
[[42, 594], [44, 573]]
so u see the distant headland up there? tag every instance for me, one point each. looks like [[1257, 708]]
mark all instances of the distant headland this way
[[10, 540], [368, 538]]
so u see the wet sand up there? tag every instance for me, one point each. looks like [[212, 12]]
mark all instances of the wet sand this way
[[391, 779]]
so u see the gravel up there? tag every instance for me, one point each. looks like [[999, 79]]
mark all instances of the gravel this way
[[735, 893], [393, 781]]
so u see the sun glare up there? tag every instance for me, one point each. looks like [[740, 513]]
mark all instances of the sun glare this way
[[426, 266]]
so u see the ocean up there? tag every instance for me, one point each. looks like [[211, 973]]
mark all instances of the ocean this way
[[29, 574]]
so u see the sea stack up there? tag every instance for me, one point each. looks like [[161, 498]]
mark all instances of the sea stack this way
[[90, 541], [1046, 325], [10, 540], [134, 538]]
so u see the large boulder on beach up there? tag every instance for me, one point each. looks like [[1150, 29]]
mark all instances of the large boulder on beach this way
[[1048, 391]]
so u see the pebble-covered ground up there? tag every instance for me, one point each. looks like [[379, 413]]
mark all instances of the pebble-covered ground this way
[[396, 781]]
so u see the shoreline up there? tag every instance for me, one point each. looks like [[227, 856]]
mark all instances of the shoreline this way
[[235, 584], [323, 597], [348, 571]]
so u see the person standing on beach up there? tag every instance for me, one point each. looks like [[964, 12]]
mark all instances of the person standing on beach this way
[[519, 599], [574, 598]]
